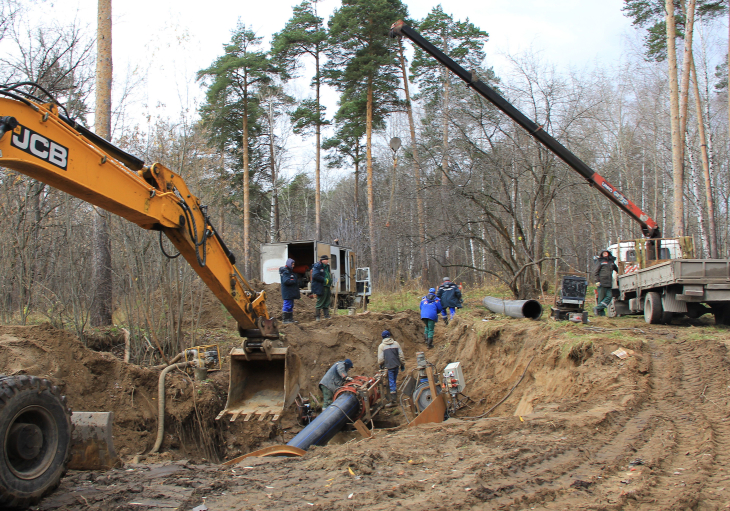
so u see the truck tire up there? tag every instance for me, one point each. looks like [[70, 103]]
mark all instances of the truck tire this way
[[35, 430], [653, 310]]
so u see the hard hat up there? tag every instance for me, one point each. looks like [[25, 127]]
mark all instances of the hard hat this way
[[386, 333]]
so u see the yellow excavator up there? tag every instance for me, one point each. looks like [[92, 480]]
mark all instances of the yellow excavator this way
[[39, 139]]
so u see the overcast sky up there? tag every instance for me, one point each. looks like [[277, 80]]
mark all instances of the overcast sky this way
[[167, 41]]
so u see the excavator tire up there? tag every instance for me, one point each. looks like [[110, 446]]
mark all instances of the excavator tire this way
[[35, 431]]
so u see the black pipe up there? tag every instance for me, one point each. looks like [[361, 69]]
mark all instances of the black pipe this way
[[530, 309], [329, 422]]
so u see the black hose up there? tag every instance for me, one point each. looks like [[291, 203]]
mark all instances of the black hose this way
[[165, 253]]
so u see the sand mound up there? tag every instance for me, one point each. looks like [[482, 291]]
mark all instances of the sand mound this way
[[98, 381]]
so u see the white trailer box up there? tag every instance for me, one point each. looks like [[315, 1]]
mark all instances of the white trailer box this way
[[307, 252]]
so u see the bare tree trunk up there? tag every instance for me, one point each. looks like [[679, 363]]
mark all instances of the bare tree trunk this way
[[371, 195], [677, 139], [712, 228], [701, 225], [445, 137], [416, 170], [274, 227], [101, 313], [357, 183], [318, 130], [246, 201], [686, 66]]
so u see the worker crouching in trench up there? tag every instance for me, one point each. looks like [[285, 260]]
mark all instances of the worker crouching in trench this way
[[333, 379]]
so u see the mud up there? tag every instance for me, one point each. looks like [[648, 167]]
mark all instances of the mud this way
[[584, 429]]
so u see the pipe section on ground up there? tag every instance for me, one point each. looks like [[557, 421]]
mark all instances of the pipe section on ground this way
[[530, 309], [321, 430], [161, 402]]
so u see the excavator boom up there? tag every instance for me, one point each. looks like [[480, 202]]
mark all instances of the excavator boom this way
[[648, 226], [44, 146], [40, 142]]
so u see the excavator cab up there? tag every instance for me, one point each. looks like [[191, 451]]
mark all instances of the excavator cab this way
[[263, 375]]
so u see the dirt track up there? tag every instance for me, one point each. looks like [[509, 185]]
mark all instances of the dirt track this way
[[584, 430]]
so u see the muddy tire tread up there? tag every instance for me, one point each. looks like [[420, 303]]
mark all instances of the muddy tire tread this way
[[9, 388]]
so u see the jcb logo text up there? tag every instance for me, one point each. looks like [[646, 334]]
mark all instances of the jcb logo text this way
[[39, 146]]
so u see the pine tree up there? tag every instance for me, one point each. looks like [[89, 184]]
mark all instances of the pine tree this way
[[304, 34], [347, 144], [232, 98], [363, 59], [464, 43]]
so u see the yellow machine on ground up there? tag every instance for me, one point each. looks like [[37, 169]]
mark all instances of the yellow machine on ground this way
[[40, 142]]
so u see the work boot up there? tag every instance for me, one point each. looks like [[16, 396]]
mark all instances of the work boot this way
[[391, 400], [326, 313], [425, 337], [287, 317], [446, 320], [429, 342], [316, 314]]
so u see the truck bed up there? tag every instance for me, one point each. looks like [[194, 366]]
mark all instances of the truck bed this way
[[699, 276]]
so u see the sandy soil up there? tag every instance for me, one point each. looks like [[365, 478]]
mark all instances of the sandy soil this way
[[584, 429]]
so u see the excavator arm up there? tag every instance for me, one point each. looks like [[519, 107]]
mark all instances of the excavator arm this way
[[649, 227], [38, 141]]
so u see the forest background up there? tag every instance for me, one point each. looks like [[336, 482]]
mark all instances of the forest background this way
[[469, 194]]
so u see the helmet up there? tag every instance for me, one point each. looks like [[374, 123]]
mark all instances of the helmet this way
[[432, 290], [348, 363], [386, 333]]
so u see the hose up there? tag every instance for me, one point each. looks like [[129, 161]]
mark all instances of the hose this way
[[174, 360], [161, 403]]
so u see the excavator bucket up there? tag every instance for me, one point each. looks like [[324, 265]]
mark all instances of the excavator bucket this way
[[262, 383], [92, 445]]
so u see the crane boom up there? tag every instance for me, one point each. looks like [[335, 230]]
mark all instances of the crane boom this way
[[649, 227], [36, 140]]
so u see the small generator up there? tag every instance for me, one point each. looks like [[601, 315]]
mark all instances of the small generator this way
[[570, 299]]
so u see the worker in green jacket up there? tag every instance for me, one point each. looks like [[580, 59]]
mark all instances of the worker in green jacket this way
[[322, 287]]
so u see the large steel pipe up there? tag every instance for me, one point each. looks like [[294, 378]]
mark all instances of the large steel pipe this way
[[321, 430], [530, 309]]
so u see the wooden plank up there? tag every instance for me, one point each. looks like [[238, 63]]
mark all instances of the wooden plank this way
[[431, 384], [362, 429]]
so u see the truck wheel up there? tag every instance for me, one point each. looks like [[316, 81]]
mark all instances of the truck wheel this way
[[611, 311], [653, 311], [35, 430]]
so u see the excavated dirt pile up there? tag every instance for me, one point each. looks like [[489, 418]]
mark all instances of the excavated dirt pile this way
[[99, 381], [570, 424]]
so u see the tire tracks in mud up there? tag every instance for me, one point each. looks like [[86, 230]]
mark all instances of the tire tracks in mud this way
[[690, 380], [672, 451]]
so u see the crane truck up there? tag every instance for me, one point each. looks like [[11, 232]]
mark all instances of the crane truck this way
[[38, 138], [656, 285]]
